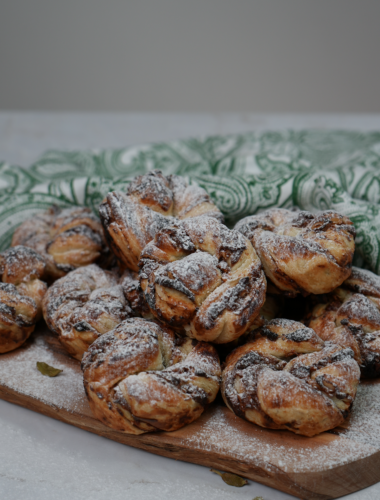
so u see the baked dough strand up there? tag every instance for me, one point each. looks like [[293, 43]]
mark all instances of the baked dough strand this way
[[140, 378], [350, 317], [84, 304], [66, 238], [310, 394], [153, 202], [200, 276], [21, 294], [302, 252]]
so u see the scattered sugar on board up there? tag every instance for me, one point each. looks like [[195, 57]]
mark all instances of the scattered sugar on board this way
[[20, 374], [365, 419], [218, 433]]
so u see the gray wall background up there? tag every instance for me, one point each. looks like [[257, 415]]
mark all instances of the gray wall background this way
[[193, 55]]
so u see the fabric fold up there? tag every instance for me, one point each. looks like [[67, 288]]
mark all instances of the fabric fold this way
[[243, 174]]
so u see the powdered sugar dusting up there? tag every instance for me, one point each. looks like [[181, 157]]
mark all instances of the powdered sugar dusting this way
[[219, 430], [364, 425], [272, 450], [321, 245], [20, 374]]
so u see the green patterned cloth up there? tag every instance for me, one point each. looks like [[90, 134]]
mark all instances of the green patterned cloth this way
[[246, 173]]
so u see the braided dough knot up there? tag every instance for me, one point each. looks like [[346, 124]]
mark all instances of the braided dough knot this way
[[200, 276], [302, 252], [140, 378], [350, 317], [311, 393], [21, 294], [67, 238], [153, 201], [84, 304]]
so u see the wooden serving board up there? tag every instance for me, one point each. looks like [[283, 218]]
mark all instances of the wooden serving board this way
[[330, 465]]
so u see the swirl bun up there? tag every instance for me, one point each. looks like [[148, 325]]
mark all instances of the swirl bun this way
[[308, 395], [66, 238], [351, 318], [153, 202], [21, 294], [84, 304], [200, 276], [302, 252], [139, 378]]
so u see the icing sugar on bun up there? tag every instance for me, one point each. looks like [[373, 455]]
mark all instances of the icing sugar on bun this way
[[200, 276], [302, 252], [153, 202], [310, 394], [21, 294], [67, 239], [350, 317], [84, 304], [141, 378]]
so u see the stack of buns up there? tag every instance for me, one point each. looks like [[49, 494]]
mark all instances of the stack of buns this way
[[276, 298]]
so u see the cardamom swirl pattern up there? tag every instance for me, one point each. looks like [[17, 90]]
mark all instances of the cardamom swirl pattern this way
[[243, 173]]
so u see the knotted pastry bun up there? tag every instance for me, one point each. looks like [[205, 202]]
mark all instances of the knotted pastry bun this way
[[153, 201], [200, 276], [350, 317], [84, 304], [140, 378], [310, 394], [21, 294], [302, 252], [67, 238]]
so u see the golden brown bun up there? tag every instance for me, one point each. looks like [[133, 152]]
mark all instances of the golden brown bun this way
[[21, 294], [302, 252], [84, 304], [200, 276], [140, 378], [67, 239], [352, 319], [308, 395], [153, 202]]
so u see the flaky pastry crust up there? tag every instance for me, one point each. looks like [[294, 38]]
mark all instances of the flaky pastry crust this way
[[200, 276], [310, 394], [66, 238], [153, 202], [21, 294], [84, 304], [139, 378], [350, 317], [302, 252]]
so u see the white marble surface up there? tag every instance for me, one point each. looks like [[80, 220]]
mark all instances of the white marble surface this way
[[43, 459]]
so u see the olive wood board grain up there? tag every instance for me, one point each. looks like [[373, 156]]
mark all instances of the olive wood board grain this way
[[330, 465]]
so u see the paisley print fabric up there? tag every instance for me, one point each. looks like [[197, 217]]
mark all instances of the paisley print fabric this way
[[243, 173]]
